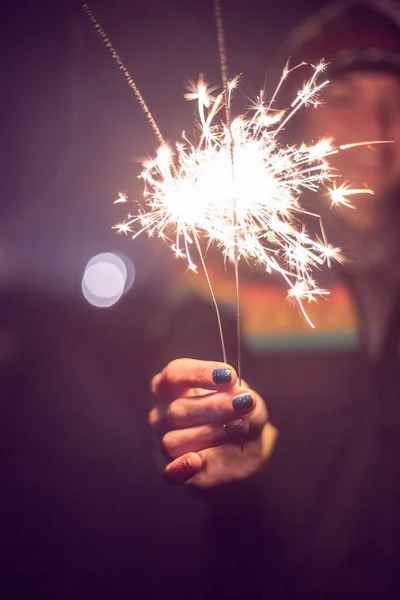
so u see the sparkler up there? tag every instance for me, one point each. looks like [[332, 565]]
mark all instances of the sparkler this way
[[238, 186], [189, 191]]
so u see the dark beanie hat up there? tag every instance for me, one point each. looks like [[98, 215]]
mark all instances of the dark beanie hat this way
[[353, 35]]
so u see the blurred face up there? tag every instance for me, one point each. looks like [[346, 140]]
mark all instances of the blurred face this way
[[356, 108]]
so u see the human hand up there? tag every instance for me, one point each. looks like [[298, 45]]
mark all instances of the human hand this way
[[213, 430]]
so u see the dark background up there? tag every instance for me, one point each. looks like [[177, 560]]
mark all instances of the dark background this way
[[73, 134]]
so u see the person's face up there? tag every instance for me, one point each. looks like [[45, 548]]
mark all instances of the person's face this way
[[362, 107]]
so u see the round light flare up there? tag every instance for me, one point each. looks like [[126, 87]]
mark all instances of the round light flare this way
[[107, 276]]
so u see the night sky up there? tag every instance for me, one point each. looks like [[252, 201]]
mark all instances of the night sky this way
[[73, 134]]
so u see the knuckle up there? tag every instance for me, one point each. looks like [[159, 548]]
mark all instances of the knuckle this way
[[177, 413], [168, 444], [173, 369], [168, 372], [153, 417], [174, 364], [155, 383]]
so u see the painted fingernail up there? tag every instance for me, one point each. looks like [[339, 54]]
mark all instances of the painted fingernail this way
[[186, 464], [243, 402], [222, 376]]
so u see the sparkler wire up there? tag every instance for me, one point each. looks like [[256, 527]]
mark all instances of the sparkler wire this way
[[115, 56], [224, 76], [107, 42], [223, 61], [203, 263]]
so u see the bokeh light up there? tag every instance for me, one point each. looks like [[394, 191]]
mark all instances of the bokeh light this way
[[106, 278]]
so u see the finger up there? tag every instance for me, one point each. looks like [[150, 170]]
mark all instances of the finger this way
[[194, 439], [199, 410], [182, 469], [258, 417], [185, 373], [182, 441], [158, 420], [219, 407]]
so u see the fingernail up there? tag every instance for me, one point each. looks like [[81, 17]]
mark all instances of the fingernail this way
[[186, 464], [222, 376], [243, 402]]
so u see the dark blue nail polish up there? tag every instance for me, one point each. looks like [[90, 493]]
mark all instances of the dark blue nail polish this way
[[222, 376], [243, 402]]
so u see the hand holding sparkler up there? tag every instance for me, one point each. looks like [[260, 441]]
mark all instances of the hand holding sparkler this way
[[196, 400], [238, 187]]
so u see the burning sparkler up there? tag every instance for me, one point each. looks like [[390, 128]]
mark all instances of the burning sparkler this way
[[238, 186], [189, 190]]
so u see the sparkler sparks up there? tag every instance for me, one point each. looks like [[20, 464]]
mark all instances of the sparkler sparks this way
[[122, 197], [239, 187], [189, 190]]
